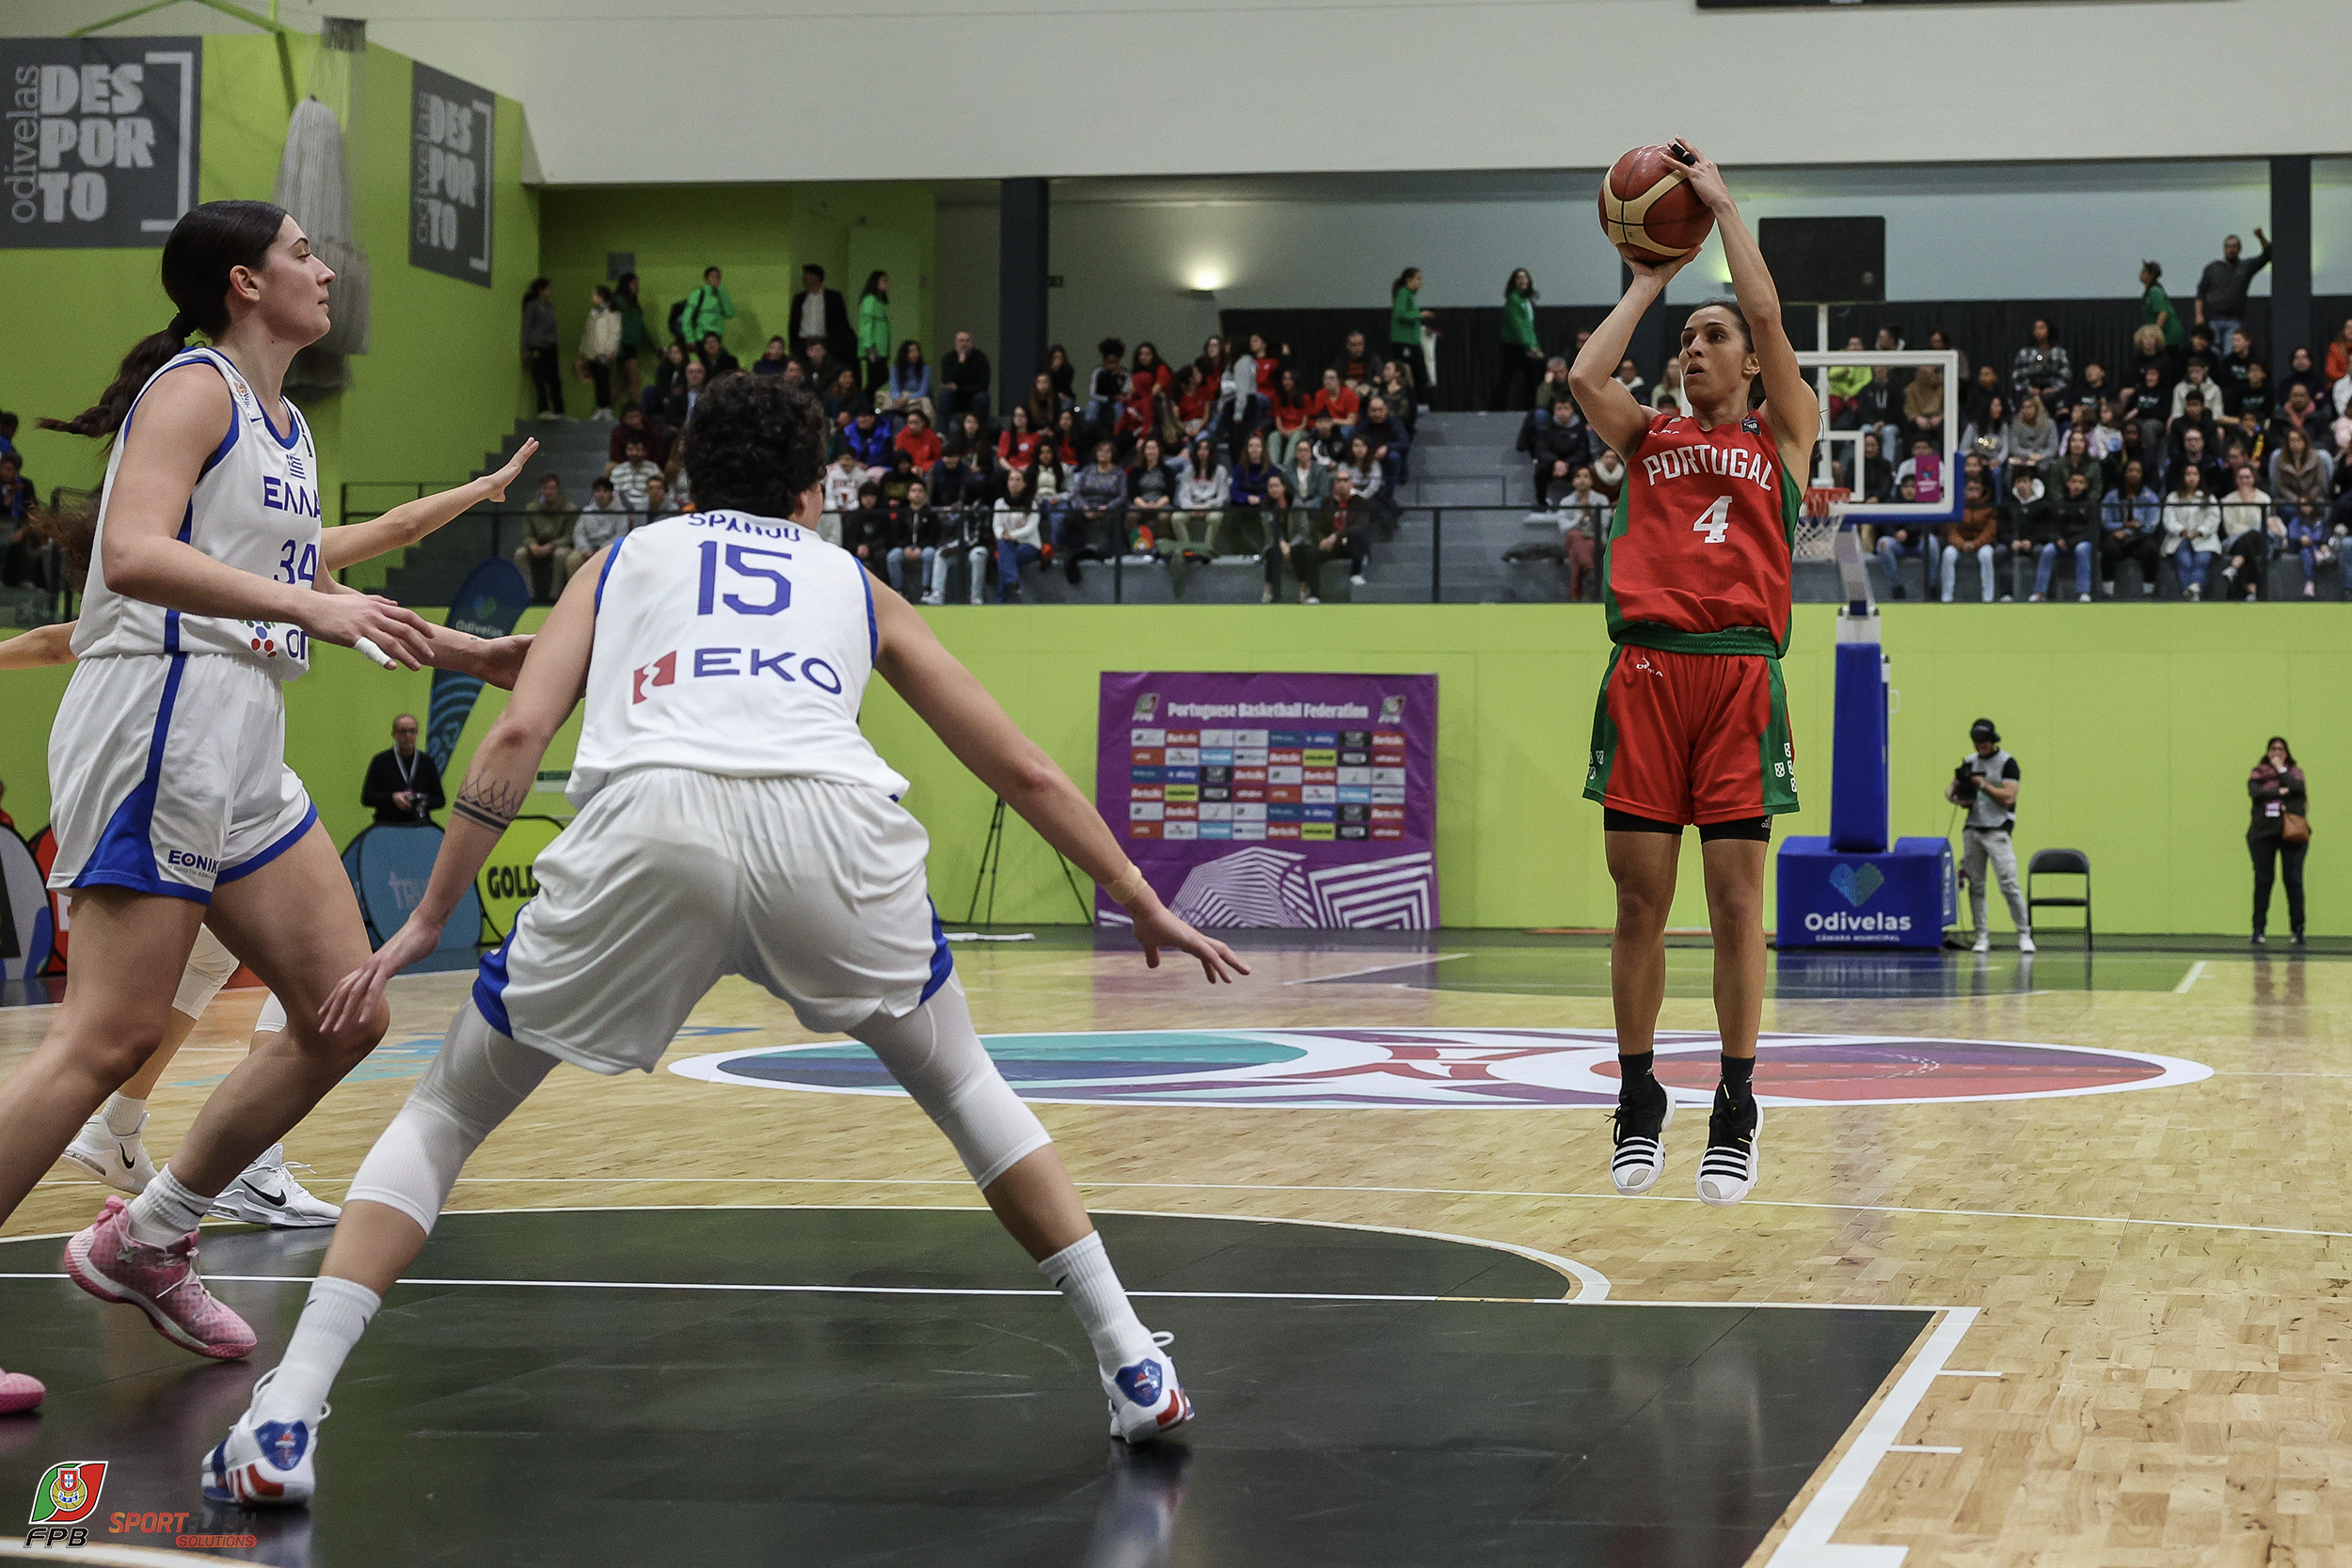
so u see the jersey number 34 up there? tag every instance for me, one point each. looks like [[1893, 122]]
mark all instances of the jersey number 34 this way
[[1715, 521]]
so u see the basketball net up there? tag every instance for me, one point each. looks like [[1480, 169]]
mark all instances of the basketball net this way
[[1818, 521]]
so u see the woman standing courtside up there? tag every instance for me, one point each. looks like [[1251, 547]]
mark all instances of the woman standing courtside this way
[[172, 803], [1692, 722], [2279, 833]]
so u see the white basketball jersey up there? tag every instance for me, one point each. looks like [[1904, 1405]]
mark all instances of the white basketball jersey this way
[[255, 507], [730, 644]]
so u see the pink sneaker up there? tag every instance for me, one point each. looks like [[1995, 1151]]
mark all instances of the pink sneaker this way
[[19, 1392], [161, 1282]]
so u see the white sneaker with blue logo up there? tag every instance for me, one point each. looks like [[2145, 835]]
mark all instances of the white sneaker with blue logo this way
[[263, 1464], [1147, 1401]]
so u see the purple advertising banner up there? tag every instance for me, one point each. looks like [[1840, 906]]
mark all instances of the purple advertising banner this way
[[1275, 800]]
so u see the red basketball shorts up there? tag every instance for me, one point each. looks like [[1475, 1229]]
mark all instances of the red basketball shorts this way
[[1696, 738]]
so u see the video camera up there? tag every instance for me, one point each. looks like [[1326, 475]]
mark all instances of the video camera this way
[[1964, 784]]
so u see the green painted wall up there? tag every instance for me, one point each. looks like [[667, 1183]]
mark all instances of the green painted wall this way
[[2134, 726], [442, 382], [759, 235]]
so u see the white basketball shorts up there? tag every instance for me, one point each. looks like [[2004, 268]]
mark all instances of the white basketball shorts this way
[[167, 775], [669, 880]]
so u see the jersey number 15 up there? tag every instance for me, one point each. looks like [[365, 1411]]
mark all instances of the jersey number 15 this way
[[740, 563]]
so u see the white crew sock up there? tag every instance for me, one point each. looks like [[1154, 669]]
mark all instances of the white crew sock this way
[[1082, 1272], [333, 1319], [124, 1116], [166, 1210]]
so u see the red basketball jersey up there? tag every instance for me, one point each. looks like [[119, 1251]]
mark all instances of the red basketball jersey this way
[[1699, 549]]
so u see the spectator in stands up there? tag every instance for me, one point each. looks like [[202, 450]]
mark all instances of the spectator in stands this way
[[2299, 483], [659, 501], [628, 300], [2073, 527], [1016, 446], [1150, 366], [2026, 524], [2253, 531], [631, 474], [967, 532], [1979, 396], [685, 394], [2195, 454], [2041, 368], [1309, 474], [669, 374], [1923, 407], [951, 483], [2231, 374], [1923, 470], [1584, 519], [403, 784], [1247, 491], [599, 346], [2192, 529], [1043, 402], [2197, 381], [1390, 444], [708, 309], [842, 399], [1407, 322], [1106, 387], [601, 521], [1138, 414], [844, 478], [539, 338], [2155, 308], [866, 531], [1094, 527], [918, 441], [1343, 532], [2253, 393], [1363, 469], [1049, 483], [917, 546], [1339, 400], [2075, 456], [2132, 523], [1877, 480], [2032, 437], [772, 359], [1359, 368], [911, 383], [1152, 483], [1941, 341], [548, 520], [1062, 374], [1549, 394], [1194, 399], [1881, 406], [1977, 533], [1014, 522], [1399, 397], [1289, 533], [2221, 289], [1201, 497], [873, 329], [1522, 355], [965, 379], [635, 427], [2151, 407], [2303, 372], [1562, 447], [869, 438], [1902, 537], [2299, 412], [1068, 437], [1287, 407], [18, 495], [716, 360], [820, 316]]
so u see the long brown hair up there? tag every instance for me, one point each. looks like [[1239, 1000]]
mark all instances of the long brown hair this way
[[75, 532], [205, 244]]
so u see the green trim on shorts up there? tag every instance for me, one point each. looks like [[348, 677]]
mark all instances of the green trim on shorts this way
[[1754, 642], [1776, 754], [1604, 756]]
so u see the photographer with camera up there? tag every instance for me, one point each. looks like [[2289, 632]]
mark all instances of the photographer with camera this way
[[1986, 783]]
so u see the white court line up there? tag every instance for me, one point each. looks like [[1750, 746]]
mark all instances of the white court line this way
[[1807, 1544], [1918, 1447], [2190, 978], [1376, 969], [1949, 1372]]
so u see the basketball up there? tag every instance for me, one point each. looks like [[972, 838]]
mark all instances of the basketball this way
[[1648, 210]]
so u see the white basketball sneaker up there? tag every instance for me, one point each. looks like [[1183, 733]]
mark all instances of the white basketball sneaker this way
[[118, 1159], [263, 1464], [267, 1194], [1638, 1138], [1147, 1401]]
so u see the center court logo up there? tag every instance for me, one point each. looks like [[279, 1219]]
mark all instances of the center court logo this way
[[1481, 1068]]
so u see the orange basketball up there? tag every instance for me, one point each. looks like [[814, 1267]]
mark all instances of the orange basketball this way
[[1648, 210]]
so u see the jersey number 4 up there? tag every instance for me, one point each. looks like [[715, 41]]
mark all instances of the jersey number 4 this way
[[1715, 521]]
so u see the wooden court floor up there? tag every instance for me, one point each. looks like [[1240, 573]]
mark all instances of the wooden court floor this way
[[2148, 1288]]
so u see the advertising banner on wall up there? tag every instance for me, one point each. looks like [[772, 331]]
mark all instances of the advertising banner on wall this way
[[1272, 800], [451, 161], [101, 139]]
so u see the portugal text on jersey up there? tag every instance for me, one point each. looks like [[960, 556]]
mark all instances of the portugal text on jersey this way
[[1699, 557]]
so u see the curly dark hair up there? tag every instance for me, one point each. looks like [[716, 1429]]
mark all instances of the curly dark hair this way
[[756, 444]]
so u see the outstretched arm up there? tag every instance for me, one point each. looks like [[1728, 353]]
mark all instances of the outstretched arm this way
[[1615, 415], [497, 660], [1790, 402], [951, 699], [504, 768], [406, 524]]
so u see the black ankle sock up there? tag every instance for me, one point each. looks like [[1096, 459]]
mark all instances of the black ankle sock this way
[[1740, 1076], [1639, 1079]]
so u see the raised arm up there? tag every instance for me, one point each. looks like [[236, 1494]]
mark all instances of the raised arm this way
[[1790, 402], [984, 738], [504, 768], [1612, 413], [406, 524]]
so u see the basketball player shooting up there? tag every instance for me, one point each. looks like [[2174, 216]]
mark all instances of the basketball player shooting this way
[[733, 819], [1691, 726]]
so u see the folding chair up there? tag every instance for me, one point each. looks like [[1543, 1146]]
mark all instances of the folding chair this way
[[2060, 862]]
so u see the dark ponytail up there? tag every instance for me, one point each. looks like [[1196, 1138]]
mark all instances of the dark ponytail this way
[[205, 244], [73, 533]]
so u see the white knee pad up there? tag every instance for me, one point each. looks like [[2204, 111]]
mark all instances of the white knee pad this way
[[936, 1056], [273, 1018], [210, 966], [473, 1084]]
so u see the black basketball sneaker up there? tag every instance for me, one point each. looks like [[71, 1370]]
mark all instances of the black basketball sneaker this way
[[1735, 1132], [1640, 1129]]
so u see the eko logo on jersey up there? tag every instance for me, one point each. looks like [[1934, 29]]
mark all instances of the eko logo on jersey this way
[[1481, 1068], [720, 663]]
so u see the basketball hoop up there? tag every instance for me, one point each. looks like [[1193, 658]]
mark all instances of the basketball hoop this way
[[1824, 509]]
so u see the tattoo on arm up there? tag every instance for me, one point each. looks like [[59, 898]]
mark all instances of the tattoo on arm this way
[[489, 802]]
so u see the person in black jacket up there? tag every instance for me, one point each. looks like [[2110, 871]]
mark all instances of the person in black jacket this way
[[1562, 447], [2025, 524], [403, 784], [963, 380], [2072, 525], [2277, 787], [820, 315]]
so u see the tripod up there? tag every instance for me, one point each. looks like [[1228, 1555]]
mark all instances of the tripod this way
[[992, 858]]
